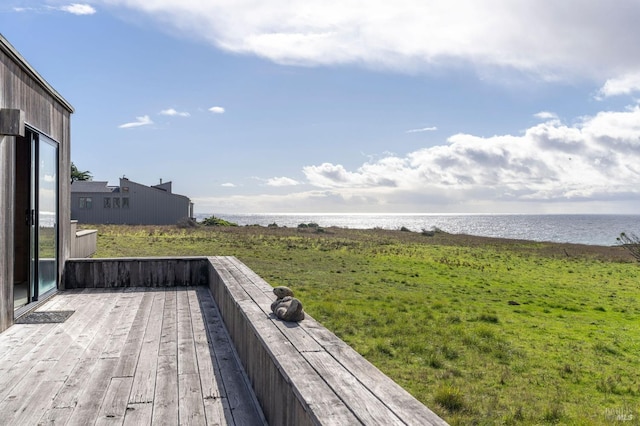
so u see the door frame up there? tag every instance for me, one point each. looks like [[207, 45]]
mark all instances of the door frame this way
[[29, 214]]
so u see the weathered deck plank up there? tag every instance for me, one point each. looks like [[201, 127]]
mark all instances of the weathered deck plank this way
[[132, 356], [239, 397], [190, 402], [165, 410], [80, 360], [144, 380], [114, 405], [215, 404], [129, 356], [90, 400]]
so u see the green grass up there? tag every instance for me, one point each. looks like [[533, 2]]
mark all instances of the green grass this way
[[482, 331]]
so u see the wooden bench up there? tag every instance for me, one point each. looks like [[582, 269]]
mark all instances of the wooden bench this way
[[301, 373]]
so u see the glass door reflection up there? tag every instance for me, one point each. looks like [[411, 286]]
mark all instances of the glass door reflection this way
[[47, 215]]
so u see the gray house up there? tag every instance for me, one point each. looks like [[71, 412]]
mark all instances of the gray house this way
[[35, 165], [129, 203]]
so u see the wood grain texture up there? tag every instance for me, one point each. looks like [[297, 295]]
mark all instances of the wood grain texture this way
[[115, 361], [23, 89]]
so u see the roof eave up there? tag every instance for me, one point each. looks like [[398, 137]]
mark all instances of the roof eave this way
[[11, 51]]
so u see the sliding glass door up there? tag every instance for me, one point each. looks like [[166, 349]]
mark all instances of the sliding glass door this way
[[47, 214], [36, 200]]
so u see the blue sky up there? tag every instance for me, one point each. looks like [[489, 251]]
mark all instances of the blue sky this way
[[410, 106]]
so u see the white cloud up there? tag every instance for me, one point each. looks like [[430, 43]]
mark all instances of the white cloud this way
[[282, 181], [144, 120], [228, 185], [217, 110], [546, 115], [625, 85], [599, 157], [591, 166], [549, 40], [73, 8], [173, 112], [78, 9], [423, 129]]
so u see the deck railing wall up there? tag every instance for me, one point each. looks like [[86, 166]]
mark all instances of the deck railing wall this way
[[83, 243]]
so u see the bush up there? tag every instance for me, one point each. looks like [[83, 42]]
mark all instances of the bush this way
[[308, 225], [187, 222], [631, 242], [216, 221]]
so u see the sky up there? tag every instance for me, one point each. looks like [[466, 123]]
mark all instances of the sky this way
[[350, 106]]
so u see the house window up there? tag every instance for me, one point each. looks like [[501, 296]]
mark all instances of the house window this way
[[85, 203], [107, 202], [125, 189], [125, 202], [116, 203]]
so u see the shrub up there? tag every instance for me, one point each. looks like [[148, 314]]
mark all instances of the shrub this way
[[631, 242], [186, 222], [215, 221], [308, 225]]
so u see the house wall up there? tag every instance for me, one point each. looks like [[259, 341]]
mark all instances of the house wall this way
[[6, 229], [147, 206], [22, 88]]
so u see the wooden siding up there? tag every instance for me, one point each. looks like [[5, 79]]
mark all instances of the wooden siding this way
[[46, 111], [139, 272], [6, 231]]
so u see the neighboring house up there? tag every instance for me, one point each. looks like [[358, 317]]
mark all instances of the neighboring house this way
[[35, 171], [130, 203]]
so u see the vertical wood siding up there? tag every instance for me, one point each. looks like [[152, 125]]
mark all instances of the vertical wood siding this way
[[22, 88]]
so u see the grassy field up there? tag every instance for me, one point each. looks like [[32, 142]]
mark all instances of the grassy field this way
[[483, 331]]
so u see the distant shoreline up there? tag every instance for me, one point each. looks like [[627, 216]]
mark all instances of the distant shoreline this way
[[591, 229]]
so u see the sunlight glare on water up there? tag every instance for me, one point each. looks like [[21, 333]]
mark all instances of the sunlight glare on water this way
[[581, 229]]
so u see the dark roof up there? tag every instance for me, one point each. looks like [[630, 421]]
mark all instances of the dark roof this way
[[90, 186]]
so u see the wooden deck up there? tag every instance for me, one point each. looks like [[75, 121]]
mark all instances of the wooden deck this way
[[130, 356]]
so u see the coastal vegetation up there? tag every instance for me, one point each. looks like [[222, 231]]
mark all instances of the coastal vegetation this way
[[483, 331], [216, 221]]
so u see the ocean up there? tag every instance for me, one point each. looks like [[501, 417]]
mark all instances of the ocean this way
[[581, 229]]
